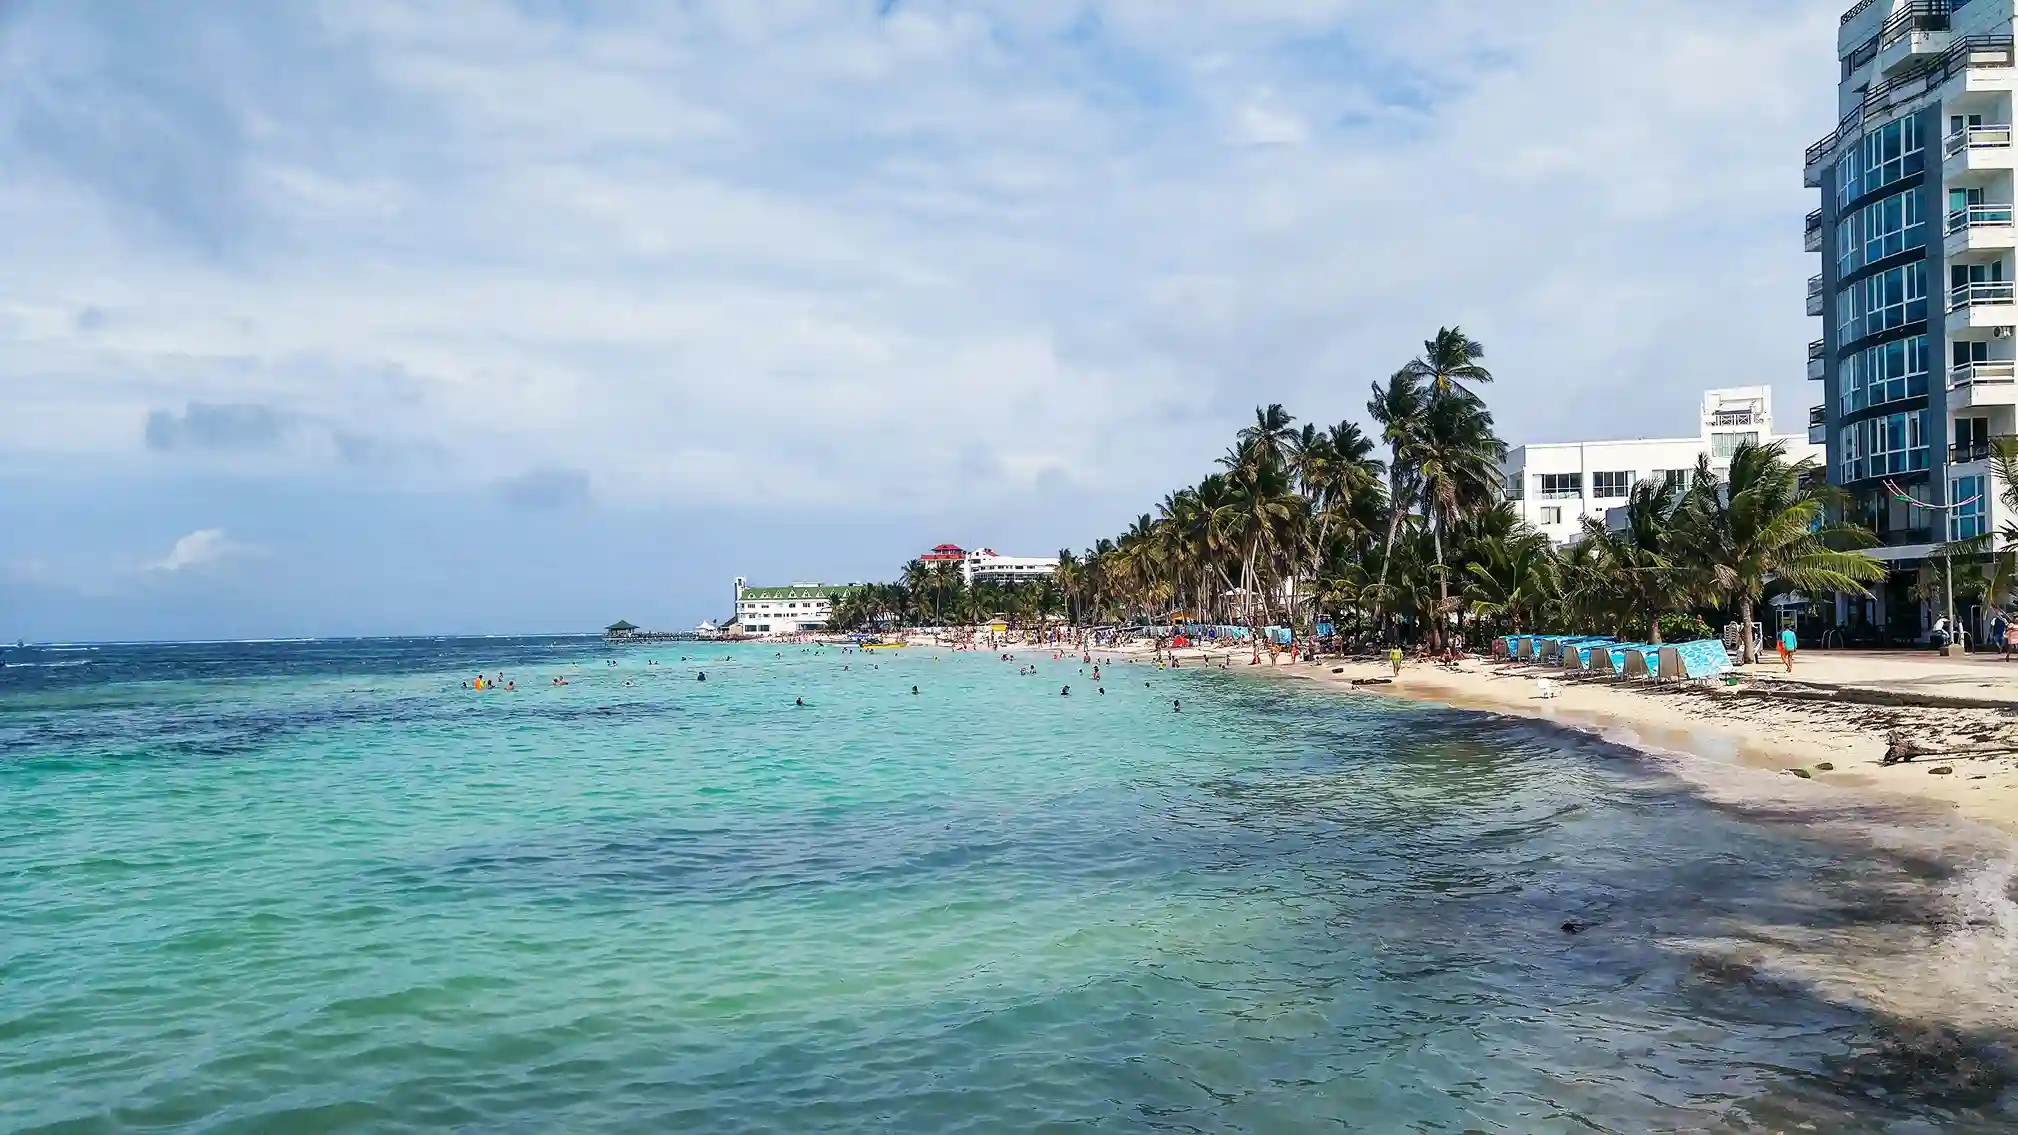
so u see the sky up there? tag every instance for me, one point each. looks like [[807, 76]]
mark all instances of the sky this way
[[448, 316]]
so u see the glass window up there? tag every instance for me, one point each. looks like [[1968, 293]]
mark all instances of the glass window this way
[[1723, 445], [1552, 514], [1894, 298], [1893, 225], [1888, 372], [1849, 453], [1967, 520], [1848, 245], [1559, 485], [1891, 152], [1895, 443], [1612, 484], [1850, 176]]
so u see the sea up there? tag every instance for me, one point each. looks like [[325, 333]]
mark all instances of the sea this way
[[327, 886]]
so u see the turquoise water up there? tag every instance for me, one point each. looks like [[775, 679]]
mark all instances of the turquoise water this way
[[319, 887]]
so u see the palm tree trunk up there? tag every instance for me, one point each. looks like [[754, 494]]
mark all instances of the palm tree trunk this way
[[1387, 550], [1654, 624], [1442, 586], [1745, 654]]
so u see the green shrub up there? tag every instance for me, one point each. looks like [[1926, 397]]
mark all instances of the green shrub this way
[[1678, 626]]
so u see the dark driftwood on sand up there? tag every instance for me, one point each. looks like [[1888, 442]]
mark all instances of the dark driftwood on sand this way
[[1902, 749]]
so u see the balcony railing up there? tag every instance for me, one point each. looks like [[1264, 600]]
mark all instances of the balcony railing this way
[[1982, 374], [1811, 235], [1917, 16], [1977, 138], [1560, 494], [1881, 97], [1818, 415], [1978, 216], [1975, 450], [1980, 294], [1816, 350]]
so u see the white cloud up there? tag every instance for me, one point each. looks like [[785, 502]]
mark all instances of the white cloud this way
[[731, 252], [201, 550]]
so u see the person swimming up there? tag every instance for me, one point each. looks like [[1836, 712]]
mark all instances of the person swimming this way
[[701, 677], [1066, 692], [1175, 706], [800, 702], [914, 691]]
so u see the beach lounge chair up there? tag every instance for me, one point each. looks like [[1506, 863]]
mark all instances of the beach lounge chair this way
[[1549, 648], [1622, 659], [1580, 655], [1694, 661]]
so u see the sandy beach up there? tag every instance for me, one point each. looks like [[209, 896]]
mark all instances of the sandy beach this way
[[1827, 719]]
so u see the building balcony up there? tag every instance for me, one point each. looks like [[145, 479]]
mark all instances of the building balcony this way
[[1976, 451], [1973, 385], [1915, 36], [1817, 359], [1818, 425], [1978, 148], [1988, 305], [1814, 295], [1980, 228], [1813, 240]]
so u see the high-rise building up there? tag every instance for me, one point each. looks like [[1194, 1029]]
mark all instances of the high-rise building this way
[[1917, 241]]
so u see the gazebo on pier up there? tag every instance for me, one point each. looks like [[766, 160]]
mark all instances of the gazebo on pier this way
[[618, 631]]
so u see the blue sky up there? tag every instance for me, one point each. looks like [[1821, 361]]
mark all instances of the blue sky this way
[[444, 316]]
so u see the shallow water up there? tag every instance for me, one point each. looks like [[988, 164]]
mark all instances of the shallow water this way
[[319, 887]]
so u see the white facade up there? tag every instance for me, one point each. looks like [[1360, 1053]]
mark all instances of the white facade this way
[[1918, 258], [1555, 485], [779, 611], [990, 566]]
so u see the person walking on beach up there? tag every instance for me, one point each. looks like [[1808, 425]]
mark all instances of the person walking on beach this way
[[2000, 630], [1788, 644], [1394, 659]]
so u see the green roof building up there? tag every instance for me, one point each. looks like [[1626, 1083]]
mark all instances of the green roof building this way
[[789, 610]]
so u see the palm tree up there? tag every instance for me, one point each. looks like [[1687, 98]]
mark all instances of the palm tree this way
[[1636, 559], [1766, 520], [1400, 410], [1270, 430], [1448, 362], [1997, 550], [1510, 577], [1457, 462]]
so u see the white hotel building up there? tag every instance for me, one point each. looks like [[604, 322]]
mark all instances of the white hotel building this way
[[1556, 485], [1916, 240], [990, 566], [790, 610]]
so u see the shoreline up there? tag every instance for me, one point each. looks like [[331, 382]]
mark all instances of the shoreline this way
[[1929, 940], [1765, 737]]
